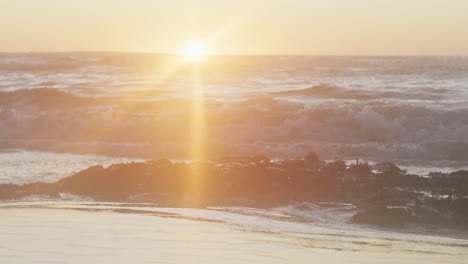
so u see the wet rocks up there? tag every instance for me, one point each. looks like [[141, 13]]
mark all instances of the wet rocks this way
[[384, 216], [387, 195]]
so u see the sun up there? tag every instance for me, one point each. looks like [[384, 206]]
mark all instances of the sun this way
[[195, 52]]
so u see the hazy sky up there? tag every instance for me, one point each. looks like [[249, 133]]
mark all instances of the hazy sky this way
[[324, 27]]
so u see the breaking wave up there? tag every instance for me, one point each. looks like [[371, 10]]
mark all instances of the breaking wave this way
[[51, 119]]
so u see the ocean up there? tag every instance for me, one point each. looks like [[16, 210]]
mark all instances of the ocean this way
[[61, 113], [375, 108]]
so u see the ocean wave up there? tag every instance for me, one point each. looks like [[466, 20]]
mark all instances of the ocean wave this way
[[42, 98], [52, 119], [434, 82], [125, 104], [333, 92]]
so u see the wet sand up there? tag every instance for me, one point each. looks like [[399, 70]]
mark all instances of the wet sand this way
[[44, 232]]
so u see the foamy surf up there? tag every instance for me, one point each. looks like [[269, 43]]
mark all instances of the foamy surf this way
[[117, 104]]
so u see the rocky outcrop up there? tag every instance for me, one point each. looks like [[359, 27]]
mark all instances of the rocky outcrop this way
[[384, 216], [385, 194]]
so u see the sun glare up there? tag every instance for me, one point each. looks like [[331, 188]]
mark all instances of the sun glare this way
[[195, 52]]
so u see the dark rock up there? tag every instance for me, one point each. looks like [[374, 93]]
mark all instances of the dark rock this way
[[258, 182], [359, 170], [384, 216], [387, 168]]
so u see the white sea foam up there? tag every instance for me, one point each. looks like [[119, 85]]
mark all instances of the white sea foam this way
[[378, 108]]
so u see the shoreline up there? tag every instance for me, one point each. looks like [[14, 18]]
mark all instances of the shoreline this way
[[86, 233]]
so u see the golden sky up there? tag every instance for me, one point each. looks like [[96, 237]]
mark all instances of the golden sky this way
[[320, 27]]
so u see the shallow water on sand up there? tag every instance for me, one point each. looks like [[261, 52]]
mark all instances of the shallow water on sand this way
[[65, 232]]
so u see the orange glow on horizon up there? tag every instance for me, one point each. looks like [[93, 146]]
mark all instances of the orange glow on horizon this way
[[334, 27]]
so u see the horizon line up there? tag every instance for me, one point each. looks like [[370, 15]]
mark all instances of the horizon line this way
[[234, 54]]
